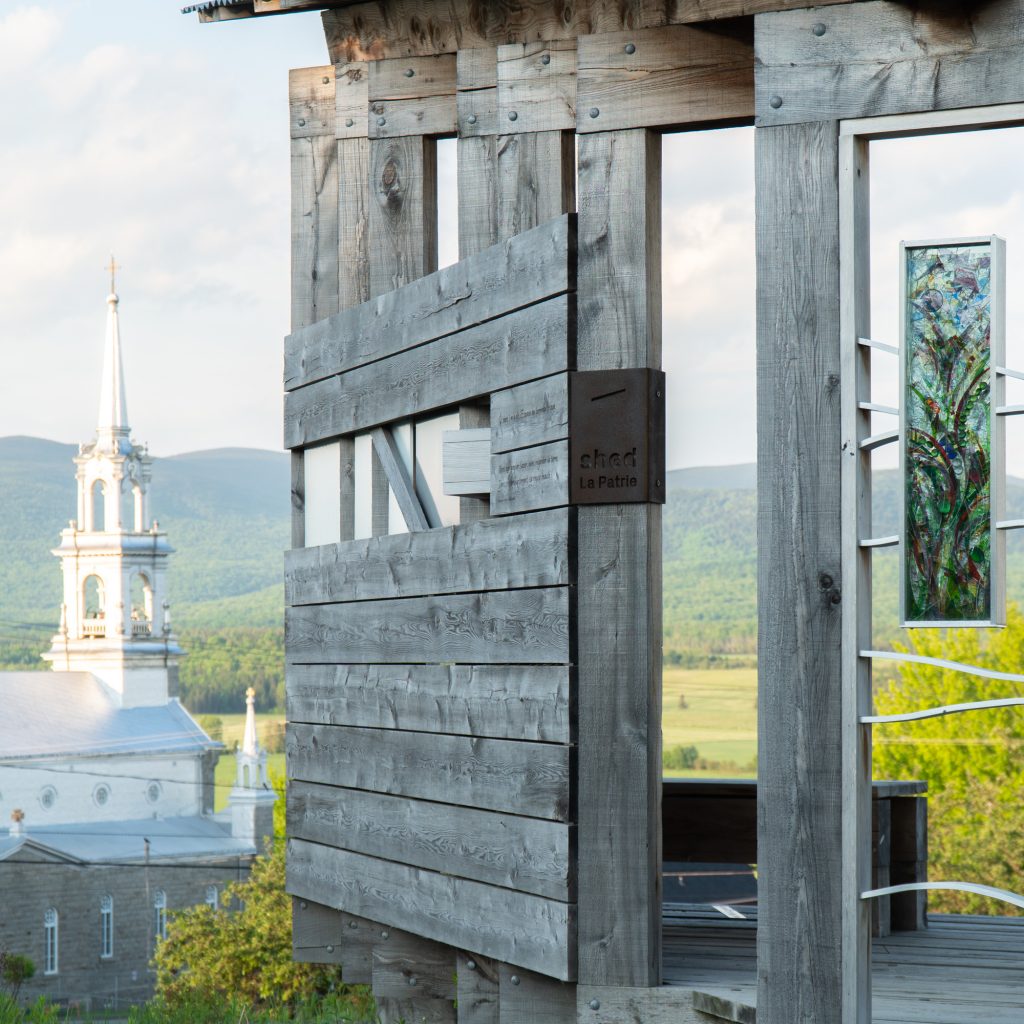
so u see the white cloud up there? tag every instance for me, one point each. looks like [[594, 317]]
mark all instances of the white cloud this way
[[26, 33]]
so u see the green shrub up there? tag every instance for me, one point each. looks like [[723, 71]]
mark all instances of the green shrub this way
[[680, 757]]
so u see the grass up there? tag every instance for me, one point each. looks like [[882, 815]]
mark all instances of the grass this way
[[720, 719]]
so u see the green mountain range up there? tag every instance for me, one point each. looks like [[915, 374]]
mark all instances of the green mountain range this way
[[226, 514]]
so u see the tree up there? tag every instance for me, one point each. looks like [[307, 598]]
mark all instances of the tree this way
[[15, 970], [244, 952], [973, 762]]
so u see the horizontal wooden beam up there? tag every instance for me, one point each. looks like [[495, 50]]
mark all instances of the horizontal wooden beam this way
[[664, 77], [411, 96], [530, 478], [531, 779], [531, 342], [876, 57], [533, 266], [491, 554], [502, 627], [514, 927], [509, 850], [519, 702], [536, 85], [530, 414]]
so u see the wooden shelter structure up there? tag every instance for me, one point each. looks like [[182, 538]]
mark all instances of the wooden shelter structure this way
[[475, 794]]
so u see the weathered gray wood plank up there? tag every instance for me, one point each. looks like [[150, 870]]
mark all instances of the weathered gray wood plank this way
[[466, 461], [406, 967], [887, 58], [353, 222], [501, 279], [476, 416], [619, 583], [663, 1005], [530, 414], [398, 478], [412, 96], [510, 926], [536, 179], [351, 100], [530, 478], [477, 992], [675, 75], [492, 554], [513, 851], [403, 211], [347, 480], [314, 208], [536, 85], [298, 500], [505, 627], [528, 998], [477, 96], [530, 779], [317, 933], [519, 702], [800, 575], [528, 343]]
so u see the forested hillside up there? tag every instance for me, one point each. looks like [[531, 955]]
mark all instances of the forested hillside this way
[[226, 513]]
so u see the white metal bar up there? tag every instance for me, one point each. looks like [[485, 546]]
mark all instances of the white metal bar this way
[[1010, 524], [1010, 410], [948, 709], [875, 407], [953, 666], [880, 345], [981, 890], [1002, 371], [881, 542], [869, 444]]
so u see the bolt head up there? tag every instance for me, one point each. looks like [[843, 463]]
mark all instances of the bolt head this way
[[349, 122], [595, 1004], [384, 934], [302, 904], [775, 102], [302, 122], [818, 28], [353, 924], [325, 80], [472, 119], [382, 121], [409, 72], [412, 981], [514, 979], [594, 112], [630, 48], [330, 949], [471, 965], [546, 59], [512, 115]]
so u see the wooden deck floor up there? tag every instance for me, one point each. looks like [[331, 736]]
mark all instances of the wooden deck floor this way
[[962, 970]]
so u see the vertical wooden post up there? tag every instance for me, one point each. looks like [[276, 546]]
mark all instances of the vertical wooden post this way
[[619, 576], [799, 441]]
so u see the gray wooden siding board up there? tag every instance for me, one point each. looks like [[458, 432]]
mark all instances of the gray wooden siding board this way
[[353, 221], [406, 967], [531, 779], [619, 583], [478, 202], [317, 933], [530, 478], [531, 342], [799, 573], [528, 998], [510, 850], [514, 627], [491, 554], [530, 414], [514, 927], [524, 270], [536, 179], [403, 212], [519, 702], [298, 500], [475, 416], [887, 58]]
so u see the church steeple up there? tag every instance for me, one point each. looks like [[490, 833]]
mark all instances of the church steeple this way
[[112, 430], [115, 619]]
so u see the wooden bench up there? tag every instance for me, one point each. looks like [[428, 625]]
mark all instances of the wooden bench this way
[[715, 822]]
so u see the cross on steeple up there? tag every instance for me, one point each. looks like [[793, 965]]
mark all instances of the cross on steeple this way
[[113, 268]]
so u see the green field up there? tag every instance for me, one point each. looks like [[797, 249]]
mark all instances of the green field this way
[[720, 719]]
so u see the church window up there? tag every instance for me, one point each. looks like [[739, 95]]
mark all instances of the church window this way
[[142, 604], [107, 926], [93, 600], [138, 508], [212, 897], [153, 792], [47, 797], [160, 914], [50, 925], [98, 506], [101, 794]]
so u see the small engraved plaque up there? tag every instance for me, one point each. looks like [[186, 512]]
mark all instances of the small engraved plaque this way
[[616, 436]]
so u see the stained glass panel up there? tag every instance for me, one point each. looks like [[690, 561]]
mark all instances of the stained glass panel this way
[[949, 537]]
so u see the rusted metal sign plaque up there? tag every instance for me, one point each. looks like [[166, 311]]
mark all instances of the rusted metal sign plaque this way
[[616, 436]]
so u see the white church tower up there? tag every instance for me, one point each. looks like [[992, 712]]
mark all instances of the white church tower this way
[[252, 799], [115, 618]]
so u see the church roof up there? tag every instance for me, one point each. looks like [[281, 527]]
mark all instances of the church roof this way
[[63, 714], [123, 842]]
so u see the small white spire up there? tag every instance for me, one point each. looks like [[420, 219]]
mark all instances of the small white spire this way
[[112, 424], [250, 744]]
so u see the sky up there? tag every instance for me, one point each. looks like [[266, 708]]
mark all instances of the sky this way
[[147, 135]]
